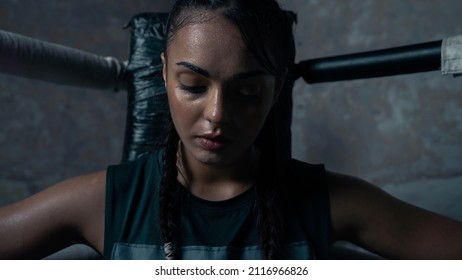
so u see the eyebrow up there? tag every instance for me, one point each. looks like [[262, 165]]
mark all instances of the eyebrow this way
[[205, 73], [194, 68]]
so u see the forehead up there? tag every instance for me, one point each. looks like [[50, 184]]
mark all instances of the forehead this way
[[214, 44]]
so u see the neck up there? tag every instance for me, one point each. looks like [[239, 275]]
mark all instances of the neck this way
[[217, 182]]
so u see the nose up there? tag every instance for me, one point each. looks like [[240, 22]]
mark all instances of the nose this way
[[217, 108]]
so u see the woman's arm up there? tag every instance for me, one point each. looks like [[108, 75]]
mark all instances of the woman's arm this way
[[369, 217], [66, 213]]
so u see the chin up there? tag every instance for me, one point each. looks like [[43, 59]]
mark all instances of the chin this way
[[219, 158], [211, 159]]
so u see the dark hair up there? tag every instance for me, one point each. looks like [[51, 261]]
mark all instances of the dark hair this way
[[267, 31]]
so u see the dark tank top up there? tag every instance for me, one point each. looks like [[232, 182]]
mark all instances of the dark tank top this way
[[211, 229]]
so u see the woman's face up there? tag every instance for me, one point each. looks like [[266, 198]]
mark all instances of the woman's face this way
[[219, 95]]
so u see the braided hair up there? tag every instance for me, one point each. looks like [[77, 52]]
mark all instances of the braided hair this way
[[267, 31], [169, 213]]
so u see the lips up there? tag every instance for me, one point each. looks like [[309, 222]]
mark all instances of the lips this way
[[213, 142]]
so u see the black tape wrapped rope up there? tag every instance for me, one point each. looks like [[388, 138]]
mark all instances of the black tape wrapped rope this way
[[147, 109]]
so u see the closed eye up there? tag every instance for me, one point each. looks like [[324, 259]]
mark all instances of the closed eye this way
[[193, 89], [249, 91]]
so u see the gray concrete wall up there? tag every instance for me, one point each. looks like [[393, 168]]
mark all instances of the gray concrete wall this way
[[402, 133], [50, 132]]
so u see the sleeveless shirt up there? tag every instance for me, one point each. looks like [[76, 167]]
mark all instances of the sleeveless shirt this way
[[211, 229]]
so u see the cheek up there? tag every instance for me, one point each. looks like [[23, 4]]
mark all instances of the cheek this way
[[252, 118], [176, 107], [183, 113], [256, 115]]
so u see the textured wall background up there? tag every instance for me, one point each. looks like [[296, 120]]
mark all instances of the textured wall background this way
[[50, 132], [403, 133]]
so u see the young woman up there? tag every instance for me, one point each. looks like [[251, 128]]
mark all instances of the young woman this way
[[223, 187]]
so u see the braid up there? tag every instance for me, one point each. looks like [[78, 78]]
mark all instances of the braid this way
[[268, 203], [268, 223], [169, 213]]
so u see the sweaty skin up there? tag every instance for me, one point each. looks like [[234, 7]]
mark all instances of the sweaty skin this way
[[219, 98], [69, 212]]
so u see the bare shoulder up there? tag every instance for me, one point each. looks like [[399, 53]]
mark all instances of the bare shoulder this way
[[68, 212], [351, 198], [366, 215]]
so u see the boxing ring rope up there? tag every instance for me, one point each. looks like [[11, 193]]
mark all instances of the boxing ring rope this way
[[147, 108], [35, 59], [444, 55], [380, 63]]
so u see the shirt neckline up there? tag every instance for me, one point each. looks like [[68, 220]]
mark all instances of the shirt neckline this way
[[241, 200]]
